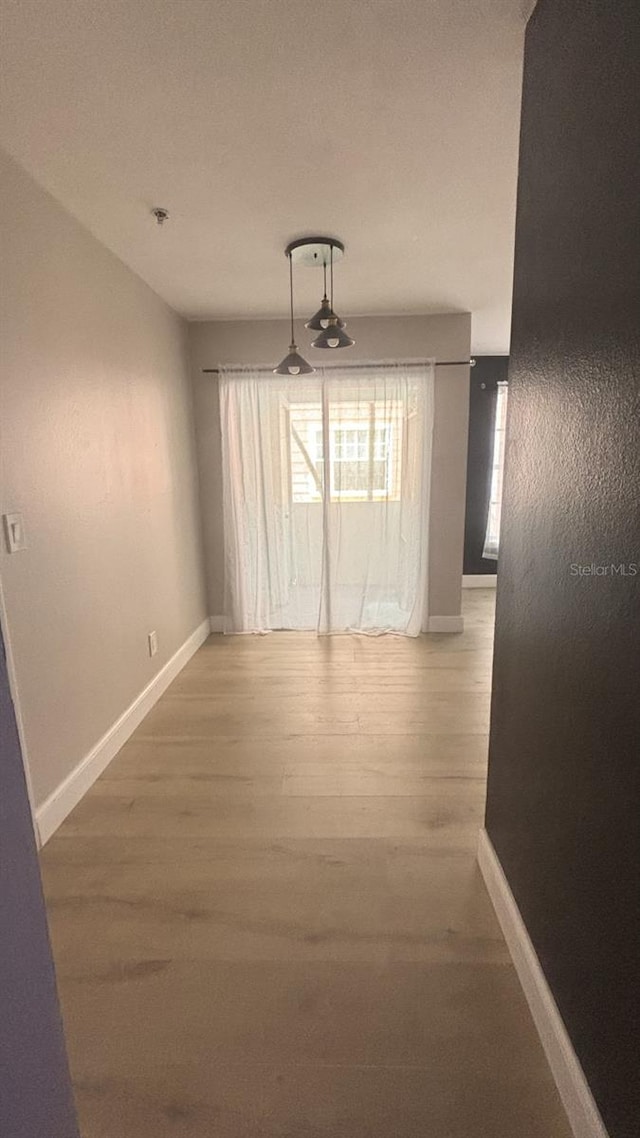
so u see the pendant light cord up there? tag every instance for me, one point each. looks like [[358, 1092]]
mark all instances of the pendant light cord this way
[[291, 295], [324, 269], [331, 263]]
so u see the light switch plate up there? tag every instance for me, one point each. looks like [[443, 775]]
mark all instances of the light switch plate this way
[[14, 532], [153, 643]]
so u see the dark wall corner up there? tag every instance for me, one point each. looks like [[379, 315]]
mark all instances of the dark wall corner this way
[[35, 1089], [564, 763]]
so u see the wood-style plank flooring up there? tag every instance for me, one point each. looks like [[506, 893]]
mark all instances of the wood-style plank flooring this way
[[266, 915]]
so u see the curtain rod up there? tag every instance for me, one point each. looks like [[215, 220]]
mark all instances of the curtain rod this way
[[354, 367]]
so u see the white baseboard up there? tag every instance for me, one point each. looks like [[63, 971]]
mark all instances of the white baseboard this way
[[582, 1112], [217, 623], [61, 802], [479, 580], [445, 624]]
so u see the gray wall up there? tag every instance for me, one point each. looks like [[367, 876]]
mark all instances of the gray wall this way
[[35, 1089], [564, 787], [98, 454], [263, 342]]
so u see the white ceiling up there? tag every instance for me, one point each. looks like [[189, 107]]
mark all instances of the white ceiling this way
[[392, 124]]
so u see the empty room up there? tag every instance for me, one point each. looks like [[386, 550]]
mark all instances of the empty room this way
[[319, 569]]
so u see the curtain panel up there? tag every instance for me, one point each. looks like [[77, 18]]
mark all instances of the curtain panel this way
[[326, 498]]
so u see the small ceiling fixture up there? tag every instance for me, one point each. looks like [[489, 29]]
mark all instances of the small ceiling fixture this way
[[293, 363], [161, 215]]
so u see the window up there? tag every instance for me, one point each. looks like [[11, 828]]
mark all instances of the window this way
[[364, 452], [492, 538]]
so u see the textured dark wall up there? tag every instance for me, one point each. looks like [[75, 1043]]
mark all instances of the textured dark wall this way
[[485, 376], [563, 805], [35, 1093]]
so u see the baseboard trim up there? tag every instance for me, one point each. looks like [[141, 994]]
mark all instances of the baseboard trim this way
[[445, 624], [61, 802], [216, 623], [582, 1112], [479, 580]]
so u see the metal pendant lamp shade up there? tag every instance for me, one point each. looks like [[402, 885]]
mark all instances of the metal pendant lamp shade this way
[[333, 336], [321, 318], [293, 363]]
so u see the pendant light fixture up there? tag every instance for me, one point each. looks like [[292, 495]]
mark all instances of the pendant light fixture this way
[[333, 337], [333, 334], [321, 318], [293, 363]]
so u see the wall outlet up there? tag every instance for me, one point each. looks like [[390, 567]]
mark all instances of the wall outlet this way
[[15, 536], [153, 643]]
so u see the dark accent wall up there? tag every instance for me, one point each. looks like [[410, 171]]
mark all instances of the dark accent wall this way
[[485, 376], [563, 808], [35, 1091]]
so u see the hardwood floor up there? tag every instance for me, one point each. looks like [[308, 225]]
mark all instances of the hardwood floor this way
[[267, 917]]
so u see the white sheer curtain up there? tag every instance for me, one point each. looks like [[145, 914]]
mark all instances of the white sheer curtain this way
[[326, 498]]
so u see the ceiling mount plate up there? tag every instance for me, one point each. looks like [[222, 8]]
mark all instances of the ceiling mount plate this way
[[314, 251]]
